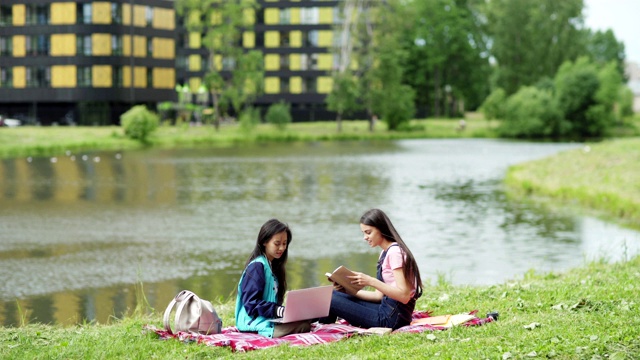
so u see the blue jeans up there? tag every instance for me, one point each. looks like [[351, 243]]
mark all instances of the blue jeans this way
[[388, 313]]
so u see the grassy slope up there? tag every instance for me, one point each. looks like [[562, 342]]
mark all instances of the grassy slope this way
[[604, 177], [587, 313]]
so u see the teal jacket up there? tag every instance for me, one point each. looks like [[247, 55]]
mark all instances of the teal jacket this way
[[260, 324]]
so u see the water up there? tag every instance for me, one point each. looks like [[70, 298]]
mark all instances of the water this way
[[83, 235]]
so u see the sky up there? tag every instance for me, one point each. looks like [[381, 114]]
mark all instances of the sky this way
[[621, 16]]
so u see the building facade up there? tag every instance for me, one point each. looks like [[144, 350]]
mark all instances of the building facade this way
[[88, 62]]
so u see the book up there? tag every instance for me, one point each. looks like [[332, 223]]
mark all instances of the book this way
[[446, 321], [439, 320], [339, 276], [378, 331]]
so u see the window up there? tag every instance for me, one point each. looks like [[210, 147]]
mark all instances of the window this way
[[284, 39], [38, 77], [259, 39], [309, 16], [149, 16], [37, 45], [83, 13], [6, 45], [6, 77], [308, 61], [181, 62], [309, 85], [228, 63], [116, 13], [311, 38], [6, 15], [284, 62], [84, 45], [285, 16], [116, 45], [84, 76], [37, 14], [204, 63], [118, 79], [284, 85], [150, 77], [150, 47]]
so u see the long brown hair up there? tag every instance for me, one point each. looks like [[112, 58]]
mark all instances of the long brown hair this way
[[378, 219]]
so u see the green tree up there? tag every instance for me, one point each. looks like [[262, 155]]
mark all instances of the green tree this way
[[603, 47], [389, 96], [448, 63], [354, 55], [531, 39], [343, 98], [234, 76]]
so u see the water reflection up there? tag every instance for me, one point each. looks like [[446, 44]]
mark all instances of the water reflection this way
[[85, 229]]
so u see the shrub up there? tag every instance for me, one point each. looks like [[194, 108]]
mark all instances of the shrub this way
[[493, 105], [138, 123], [532, 113], [279, 115], [249, 119]]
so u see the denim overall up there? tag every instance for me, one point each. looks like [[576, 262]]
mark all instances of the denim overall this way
[[393, 313]]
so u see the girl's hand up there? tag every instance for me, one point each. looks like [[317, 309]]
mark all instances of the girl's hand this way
[[361, 279]]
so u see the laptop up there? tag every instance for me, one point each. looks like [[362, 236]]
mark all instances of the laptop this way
[[305, 304]]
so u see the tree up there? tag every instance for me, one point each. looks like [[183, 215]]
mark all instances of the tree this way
[[603, 47], [354, 31], [448, 63], [389, 96], [530, 39], [343, 98], [234, 76]]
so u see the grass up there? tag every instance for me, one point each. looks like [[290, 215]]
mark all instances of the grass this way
[[601, 178], [49, 141], [587, 313]]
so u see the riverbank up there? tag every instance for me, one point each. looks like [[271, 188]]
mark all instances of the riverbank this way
[[586, 313], [600, 178], [49, 141]]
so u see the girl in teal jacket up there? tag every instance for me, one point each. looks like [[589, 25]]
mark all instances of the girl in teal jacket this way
[[263, 284]]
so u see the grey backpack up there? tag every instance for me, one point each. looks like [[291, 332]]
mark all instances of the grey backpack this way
[[192, 315]]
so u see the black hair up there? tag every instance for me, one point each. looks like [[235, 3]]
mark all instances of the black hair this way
[[378, 219], [267, 231]]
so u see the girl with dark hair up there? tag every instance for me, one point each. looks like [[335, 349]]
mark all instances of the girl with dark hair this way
[[263, 284], [397, 285]]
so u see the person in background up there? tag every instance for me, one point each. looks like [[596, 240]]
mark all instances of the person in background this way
[[263, 284], [396, 287]]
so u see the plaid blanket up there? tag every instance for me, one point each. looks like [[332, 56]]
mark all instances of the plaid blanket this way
[[319, 334]]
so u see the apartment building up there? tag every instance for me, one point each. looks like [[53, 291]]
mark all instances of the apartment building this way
[[61, 62]]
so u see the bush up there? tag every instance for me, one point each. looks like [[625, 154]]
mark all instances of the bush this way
[[279, 115], [249, 119], [532, 113], [493, 105], [138, 123]]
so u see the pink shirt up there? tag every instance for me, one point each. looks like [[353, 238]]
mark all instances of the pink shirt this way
[[393, 260]]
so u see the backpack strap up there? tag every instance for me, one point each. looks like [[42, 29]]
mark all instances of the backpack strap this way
[[182, 297]]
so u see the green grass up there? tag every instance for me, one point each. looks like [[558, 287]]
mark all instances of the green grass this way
[[591, 312], [602, 178], [48, 141]]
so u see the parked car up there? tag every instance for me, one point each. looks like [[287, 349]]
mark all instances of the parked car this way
[[9, 122]]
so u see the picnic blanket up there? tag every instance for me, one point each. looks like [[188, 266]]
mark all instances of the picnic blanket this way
[[319, 334]]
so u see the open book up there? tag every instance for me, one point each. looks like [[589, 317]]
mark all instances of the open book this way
[[339, 276]]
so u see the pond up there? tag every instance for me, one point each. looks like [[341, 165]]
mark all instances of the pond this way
[[89, 236]]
